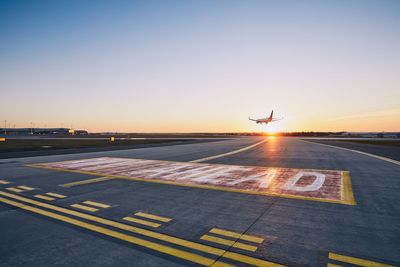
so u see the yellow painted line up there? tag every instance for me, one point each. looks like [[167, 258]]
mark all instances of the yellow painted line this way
[[26, 188], [148, 233], [88, 181], [153, 217], [96, 204], [347, 189], [14, 189], [357, 261], [82, 207], [218, 264], [131, 239], [4, 182], [44, 197], [230, 153], [333, 265], [244, 246], [140, 221], [55, 195], [359, 152], [228, 243], [250, 260], [250, 238]]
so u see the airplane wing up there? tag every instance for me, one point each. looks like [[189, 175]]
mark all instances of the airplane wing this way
[[252, 119], [278, 119]]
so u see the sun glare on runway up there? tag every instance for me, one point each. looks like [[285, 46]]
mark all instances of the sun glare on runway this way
[[271, 129], [270, 132]]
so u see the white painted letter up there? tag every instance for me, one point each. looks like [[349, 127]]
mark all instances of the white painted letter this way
[[316, 185], [264, 178]]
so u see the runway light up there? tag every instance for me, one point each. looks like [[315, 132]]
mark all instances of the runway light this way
[[2, 139], [112, 139]]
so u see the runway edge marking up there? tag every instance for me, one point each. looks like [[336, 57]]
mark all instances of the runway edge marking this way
[[229, 153], [358, 151]]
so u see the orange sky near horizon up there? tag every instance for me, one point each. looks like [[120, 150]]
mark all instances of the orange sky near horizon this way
[[368, 122], [201, 66]]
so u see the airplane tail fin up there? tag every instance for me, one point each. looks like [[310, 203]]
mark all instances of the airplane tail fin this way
[[272, 114]]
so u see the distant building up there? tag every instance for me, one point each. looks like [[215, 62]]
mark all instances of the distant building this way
[[40, 131], [81, 132]]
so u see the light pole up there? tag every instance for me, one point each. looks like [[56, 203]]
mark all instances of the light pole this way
[[5, 126]]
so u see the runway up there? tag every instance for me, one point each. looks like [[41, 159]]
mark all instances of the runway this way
[[202, 204]]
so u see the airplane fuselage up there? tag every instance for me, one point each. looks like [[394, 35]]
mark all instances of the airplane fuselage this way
[[267, 120]]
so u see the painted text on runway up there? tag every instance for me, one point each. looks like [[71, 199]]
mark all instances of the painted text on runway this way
[[320, 185]]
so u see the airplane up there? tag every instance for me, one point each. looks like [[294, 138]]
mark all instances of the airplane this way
[[266, 120]]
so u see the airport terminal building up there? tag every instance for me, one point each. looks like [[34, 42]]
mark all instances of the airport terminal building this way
[[42, 131]]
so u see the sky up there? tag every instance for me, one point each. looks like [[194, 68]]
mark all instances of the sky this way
[[200, 66]]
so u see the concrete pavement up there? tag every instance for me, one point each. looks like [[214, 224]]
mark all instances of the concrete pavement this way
[[293, 232]]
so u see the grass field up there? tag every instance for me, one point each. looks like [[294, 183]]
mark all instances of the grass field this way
[[16, 145]]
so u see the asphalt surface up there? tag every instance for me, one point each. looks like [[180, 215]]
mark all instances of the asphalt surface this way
[[294, 232], [392, 152], [107, 147]]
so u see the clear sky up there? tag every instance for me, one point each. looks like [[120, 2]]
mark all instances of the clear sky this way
[[200, 66]]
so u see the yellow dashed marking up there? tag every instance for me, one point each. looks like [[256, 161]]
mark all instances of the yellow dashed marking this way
[[148, 233], [45, 197], [357, 261], [82, 207], [14, 189], [236, 235], [26, 188], [228, 243], [55, 195], [140, 221], [131, 239], [4, 182], [333, 265], [88, 181], [153, 217], [96, 204]]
